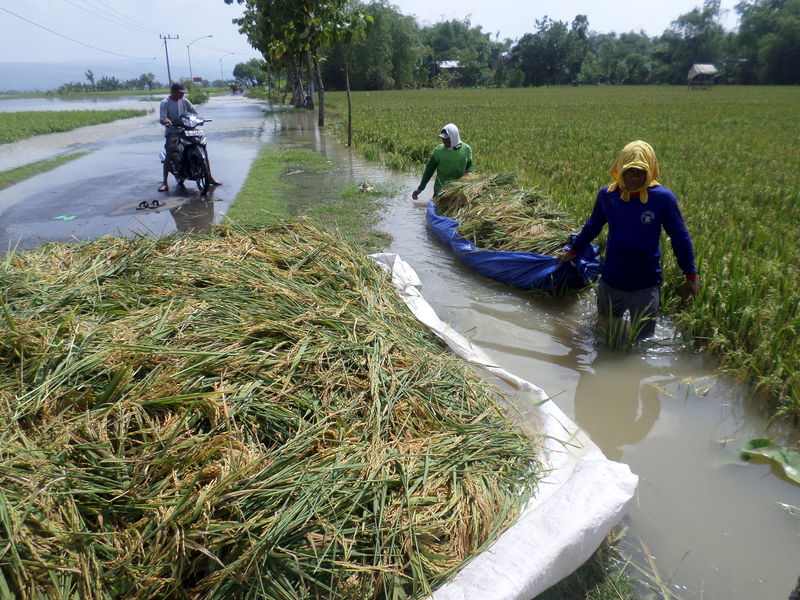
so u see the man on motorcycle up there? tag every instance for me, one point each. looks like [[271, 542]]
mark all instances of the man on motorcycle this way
[[172, 108]]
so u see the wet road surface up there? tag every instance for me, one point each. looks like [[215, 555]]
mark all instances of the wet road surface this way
[[101, 193]]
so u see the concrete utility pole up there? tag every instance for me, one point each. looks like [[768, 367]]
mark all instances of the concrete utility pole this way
[[165, 38]]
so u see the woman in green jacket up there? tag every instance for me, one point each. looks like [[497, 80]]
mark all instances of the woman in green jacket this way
[[450, 160]]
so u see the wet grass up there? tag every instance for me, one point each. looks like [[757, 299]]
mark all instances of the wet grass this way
[[730, 155], [351, 211], [263, 201], [12, 176], [15, 126], [266, 198]]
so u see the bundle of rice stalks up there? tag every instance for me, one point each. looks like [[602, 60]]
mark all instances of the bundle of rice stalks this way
[[495, 213], [238, 415]]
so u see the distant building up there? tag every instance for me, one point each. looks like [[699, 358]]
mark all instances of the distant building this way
[[702, 75], [448, 65]]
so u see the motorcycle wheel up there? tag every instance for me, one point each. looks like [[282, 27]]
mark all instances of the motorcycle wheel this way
[[201, 170]]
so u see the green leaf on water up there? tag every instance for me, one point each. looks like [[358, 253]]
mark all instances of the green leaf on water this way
[[789, 460]]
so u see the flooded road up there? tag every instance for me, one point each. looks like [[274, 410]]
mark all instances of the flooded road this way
[[100, 193], [711, 522]]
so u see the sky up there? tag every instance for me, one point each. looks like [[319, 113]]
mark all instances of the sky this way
[[99, 30], [514, 18]]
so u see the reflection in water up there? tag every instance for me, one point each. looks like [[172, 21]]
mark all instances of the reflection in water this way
[[194, 216], [615, 411]]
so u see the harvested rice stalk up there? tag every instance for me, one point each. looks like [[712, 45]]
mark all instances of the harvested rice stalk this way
[[243, 414], [495, 213]]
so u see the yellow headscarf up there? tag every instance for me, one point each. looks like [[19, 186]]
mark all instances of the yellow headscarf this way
[[636, 155]]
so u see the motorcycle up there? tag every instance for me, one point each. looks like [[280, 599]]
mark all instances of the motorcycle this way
[[188, 161]]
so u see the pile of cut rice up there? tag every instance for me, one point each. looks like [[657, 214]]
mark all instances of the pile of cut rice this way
[[237, 415], [496, 213]]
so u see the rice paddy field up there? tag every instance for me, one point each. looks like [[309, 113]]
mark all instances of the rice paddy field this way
[[16, 126], [730, 154], [243, 414]]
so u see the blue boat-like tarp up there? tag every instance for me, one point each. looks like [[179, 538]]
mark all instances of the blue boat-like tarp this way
[[525, 270]]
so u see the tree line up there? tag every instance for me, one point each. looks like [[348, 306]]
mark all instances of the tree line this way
[[372, 46], [397, 53]]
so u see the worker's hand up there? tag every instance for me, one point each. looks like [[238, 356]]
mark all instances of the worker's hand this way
[[166, 121], [565, 256], [415, 194], [689, 290]]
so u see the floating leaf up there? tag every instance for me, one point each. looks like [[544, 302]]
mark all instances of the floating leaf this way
[[766, 448]]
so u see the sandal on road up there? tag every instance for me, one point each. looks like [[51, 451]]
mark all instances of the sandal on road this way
[[164, 188]]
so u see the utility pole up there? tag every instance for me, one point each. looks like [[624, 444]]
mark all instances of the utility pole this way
[[165, 38]]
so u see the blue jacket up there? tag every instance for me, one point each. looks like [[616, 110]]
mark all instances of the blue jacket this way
[[632, 256]]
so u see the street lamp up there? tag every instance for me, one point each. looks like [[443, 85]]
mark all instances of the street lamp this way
[[189, 54], [221, 76]]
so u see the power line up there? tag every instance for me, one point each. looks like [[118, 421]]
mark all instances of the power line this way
[[100, 5], [110, 18], [73, 40]]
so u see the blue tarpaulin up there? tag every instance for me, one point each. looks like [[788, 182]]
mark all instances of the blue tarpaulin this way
[[525, 270]]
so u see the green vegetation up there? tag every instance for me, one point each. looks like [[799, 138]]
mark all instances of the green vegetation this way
[[262, 201], [399, 53], [12, 176], [730, 156], [16, 126]]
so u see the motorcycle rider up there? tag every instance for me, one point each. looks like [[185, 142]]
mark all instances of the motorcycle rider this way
[[173, 107]]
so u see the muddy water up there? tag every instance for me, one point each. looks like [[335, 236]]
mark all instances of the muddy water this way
[[710, 522]]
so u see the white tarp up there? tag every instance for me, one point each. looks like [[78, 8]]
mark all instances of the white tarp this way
[[581, 498]]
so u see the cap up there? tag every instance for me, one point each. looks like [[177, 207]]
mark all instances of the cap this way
[[443, 134], [178, 87]]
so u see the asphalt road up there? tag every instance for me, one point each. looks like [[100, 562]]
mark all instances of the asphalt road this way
[[100, 193]]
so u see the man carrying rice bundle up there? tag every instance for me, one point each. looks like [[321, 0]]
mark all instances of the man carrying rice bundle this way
[[450, 160], [635, 207]]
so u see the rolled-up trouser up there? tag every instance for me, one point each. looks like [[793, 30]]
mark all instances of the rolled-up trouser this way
[[642, 304]]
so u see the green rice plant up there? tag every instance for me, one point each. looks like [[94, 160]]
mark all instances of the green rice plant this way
[[730, 156], [15, 126], [244, 414]]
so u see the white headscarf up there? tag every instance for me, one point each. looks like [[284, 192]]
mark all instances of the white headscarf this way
[[451, 131]]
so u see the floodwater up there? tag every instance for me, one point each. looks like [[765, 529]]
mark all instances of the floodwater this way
[[57, 103], [711, 522]]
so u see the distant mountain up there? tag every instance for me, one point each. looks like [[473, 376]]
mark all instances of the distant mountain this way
[[43, 77]]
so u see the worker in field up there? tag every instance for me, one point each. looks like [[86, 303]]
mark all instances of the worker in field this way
[[636, 207], [450, 160]]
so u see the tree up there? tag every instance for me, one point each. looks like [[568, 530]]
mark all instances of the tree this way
[[299, 28], [695, 37], [90, 77], [253, 73], [769, 41], [543, 55], [383, 59]]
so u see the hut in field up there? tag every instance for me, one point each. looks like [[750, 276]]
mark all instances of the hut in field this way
[[702, 76]]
